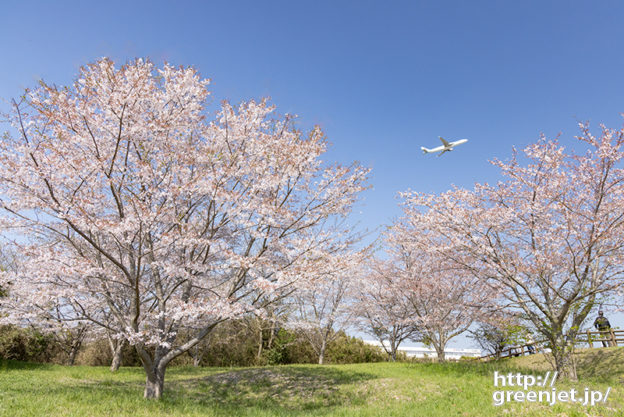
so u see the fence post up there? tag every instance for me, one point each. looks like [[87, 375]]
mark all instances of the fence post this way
[[613, 341], [589, 339]]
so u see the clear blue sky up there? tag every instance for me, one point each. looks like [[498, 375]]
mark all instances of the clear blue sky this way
[[381, 78]]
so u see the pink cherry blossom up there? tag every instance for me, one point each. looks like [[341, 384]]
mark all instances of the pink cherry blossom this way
[[138, 212]]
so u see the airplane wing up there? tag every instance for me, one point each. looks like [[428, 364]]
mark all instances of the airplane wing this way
[[444, 142], [444, 150]]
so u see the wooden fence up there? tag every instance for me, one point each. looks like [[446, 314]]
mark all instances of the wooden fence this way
[[609, 338], [606, 338], [512, 351]]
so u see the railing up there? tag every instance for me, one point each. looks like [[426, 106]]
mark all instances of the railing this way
[[511, 352], [608, 338]]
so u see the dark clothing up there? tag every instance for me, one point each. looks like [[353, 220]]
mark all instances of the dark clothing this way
[[601, 323]]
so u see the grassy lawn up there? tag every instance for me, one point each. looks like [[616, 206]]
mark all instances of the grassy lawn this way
[[379, 389]]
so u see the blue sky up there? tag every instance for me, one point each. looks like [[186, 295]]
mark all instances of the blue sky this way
[[381, 78]]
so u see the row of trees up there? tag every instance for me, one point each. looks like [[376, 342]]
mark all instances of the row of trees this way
[[546, 241], [138, 216], [536, 251], [232, 343]]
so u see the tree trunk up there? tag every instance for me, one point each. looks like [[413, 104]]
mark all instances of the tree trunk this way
[[393, 348], [322, 352], [154, 383], [156, 363], [271, 335], [71, 342], [499, 350], [440, 352], [72, 354], [197, 360], [565, 365], [260, 345], [197, 354], [117, 352]]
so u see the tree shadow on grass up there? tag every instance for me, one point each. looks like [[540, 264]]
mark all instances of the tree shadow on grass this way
[[598, 364], [601, 364], [10, 364], [286, 388]]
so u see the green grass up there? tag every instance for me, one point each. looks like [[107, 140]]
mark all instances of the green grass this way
[[378, 389]]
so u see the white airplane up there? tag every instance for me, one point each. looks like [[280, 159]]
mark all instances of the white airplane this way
[[446, 146]]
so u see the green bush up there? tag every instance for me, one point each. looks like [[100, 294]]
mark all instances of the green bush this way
[[232, 343], [26, 344], [235, 344], [347, 349], [278, 353]]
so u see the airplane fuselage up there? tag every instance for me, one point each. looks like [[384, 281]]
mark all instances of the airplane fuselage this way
[[447, 147]]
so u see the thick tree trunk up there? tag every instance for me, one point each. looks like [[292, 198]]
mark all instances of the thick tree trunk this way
[[154, 383], [498, 353], [565, 365], [440, 352], [156, 363], [394, 348]]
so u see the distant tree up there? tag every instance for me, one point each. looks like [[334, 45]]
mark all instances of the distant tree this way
[[383, 307], [495, 338], [324, 307], [70, 340], [444, 297]]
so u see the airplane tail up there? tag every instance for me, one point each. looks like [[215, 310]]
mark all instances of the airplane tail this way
[[425, 150]]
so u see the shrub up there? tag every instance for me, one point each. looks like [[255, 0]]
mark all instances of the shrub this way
[[26, 344], [347, 349]]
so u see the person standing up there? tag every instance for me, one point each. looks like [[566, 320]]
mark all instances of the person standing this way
[[603, 326], [530, 344]]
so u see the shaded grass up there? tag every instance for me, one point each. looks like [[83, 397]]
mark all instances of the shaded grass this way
[[377, 389], [598, 364]]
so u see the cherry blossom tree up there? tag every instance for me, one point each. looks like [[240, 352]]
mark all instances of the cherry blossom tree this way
[[267, 325], [499, 331], [445, 299], [116, 341], [383, 307], [325, 306], [8, 263], [131, 203], [549, 235]]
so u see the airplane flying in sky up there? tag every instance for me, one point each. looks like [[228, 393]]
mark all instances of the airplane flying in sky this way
[[446, 146]]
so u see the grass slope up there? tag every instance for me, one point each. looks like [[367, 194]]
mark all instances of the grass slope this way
[[379, 389]]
